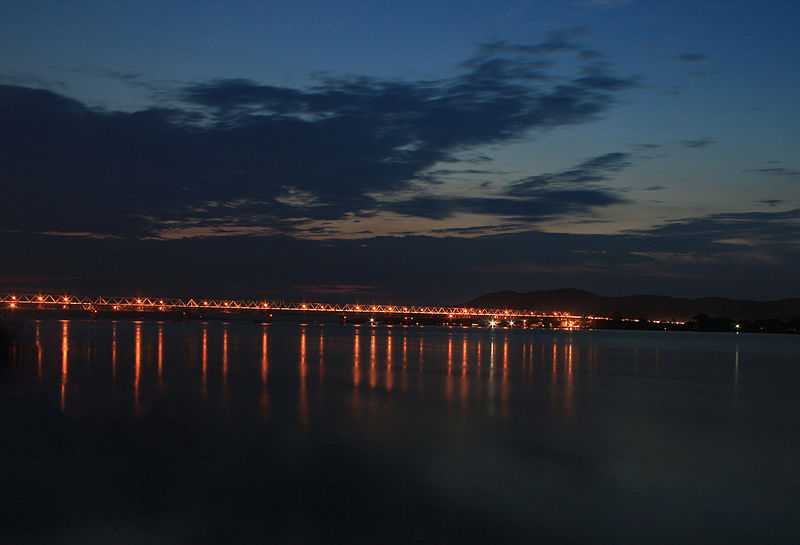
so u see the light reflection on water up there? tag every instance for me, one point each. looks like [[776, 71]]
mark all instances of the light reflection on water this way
[[38, 350], [518, 362], [64, 363], [263, 400], [137, 366], [204, 363], [225, 364], [527, 418], [113, 352], [303, 371]]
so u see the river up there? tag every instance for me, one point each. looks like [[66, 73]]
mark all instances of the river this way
[[194, 432]]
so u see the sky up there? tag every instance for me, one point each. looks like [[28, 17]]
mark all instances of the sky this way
[[400, 151]]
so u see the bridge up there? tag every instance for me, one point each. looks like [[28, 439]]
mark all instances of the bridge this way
[[492, 316]]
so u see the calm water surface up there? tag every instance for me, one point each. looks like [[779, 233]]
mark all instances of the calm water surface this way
[[191, 432]]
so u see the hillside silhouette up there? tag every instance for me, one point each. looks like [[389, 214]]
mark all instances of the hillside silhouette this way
[[651, 307]]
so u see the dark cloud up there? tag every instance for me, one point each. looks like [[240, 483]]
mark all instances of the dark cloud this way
[[154, 89], [752, 254], [31, 80], [440, 176], [482, 230], [110, 73], [557, 41], [608, 3], [234, 156], [771, 202], [595, 169], [590, 55], [598, 75], [762, 230], [532, 199], [776, 171], [450, 172], [691, 57], [698, 143], [655, 188], [536, 206]]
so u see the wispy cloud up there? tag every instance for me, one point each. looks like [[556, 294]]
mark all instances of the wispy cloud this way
[[595, 169], [698, 143], [608, 3], [776, 171], [691, 58]]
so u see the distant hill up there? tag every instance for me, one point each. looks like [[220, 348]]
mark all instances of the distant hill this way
[[652, 307]]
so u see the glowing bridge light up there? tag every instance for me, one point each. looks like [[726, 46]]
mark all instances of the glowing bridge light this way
[[494, 316]]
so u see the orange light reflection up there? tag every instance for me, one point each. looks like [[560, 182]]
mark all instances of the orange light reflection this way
[[38, 350], [389, 372], [356, 360], [137, 364], [321, 356], [225, 363], [373, 372], [264, 399], [160, 355], [204, 362], [113, 352], [303, 371], [64, 362]]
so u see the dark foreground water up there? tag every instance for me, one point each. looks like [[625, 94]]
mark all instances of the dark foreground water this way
[[145, 432]]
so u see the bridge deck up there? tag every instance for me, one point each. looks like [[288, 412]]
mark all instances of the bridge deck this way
[[156, 304]]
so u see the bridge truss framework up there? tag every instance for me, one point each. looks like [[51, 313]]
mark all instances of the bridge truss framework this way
[[157, 304]]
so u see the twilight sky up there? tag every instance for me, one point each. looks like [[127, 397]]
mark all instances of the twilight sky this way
[[400, 151]]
